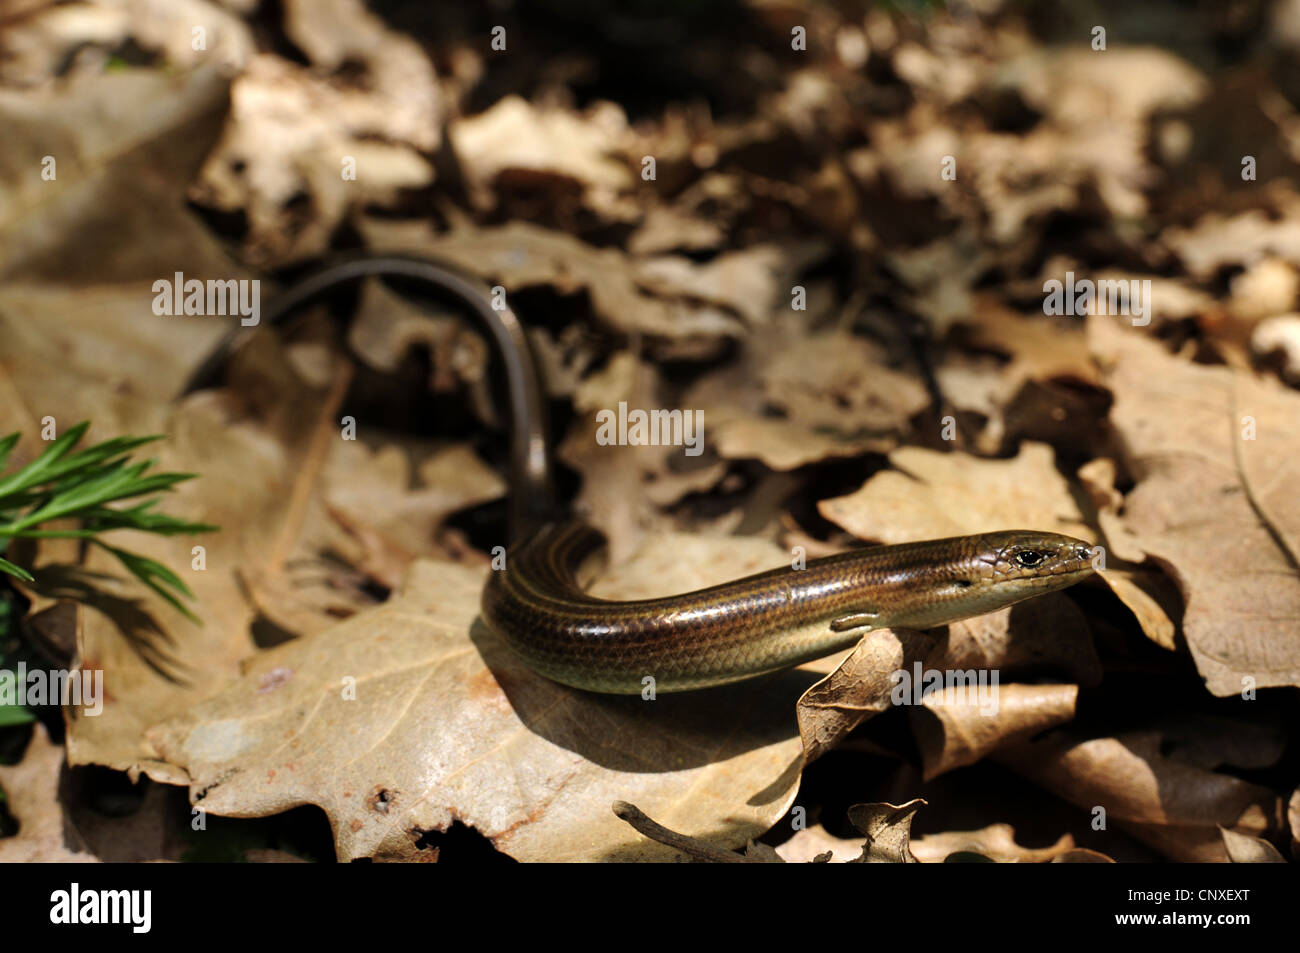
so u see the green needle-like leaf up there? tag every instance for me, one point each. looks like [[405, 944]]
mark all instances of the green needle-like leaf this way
[[14, 715], [15, 570], [6, 445], [61, 484], [154, 575]]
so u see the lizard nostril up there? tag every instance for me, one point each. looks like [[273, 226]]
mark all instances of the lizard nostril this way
[[1083, 552]]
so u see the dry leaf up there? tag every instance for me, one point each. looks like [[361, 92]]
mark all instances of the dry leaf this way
[[513, 140], [858, 689], [888, 828], [753, 282], [997, 842], [813, 844], [1246, 239], [1293, 819], [520, 255], [1280, 335], [32, 796], [973, 723], [449, 725], [930, 495], [290, 134], [1171, 805], [1214, 454], [1244, 849], [780, 444], [840, 381], [1046, 635], [126, 145]]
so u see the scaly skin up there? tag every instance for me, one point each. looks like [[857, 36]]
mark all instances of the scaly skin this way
[[761, 623], [713, 636]]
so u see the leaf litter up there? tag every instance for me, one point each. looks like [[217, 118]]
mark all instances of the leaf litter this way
[[341, 661]]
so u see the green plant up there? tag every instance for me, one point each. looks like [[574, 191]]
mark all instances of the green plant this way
[[10, 656], [61, 484]]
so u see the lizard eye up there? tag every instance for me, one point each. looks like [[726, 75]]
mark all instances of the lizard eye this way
[[1029, 558]]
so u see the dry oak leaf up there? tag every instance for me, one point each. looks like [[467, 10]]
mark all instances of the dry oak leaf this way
[[1244, 239], [126, 145], [367, 520], [1098, 113], [1040, 347], [521, 255], [1293, 819], [840, 381], [401, 100], [371, 495], [888, 828], [941, 275], [1268, 288], [930, 495], [963, 723], [667, 472], [57, 344], [1213, 741], [782, 444], [1046, 635], [1171, 805], [31, 790], [290, 134], [45, 43], [1097, 477], [514, 139], [1082, 855], [1149, 595], [1244, 849], [814, 843], [615, 479], [259, 446], [1216, 457], [389, 325], [1279, 335], [1049, 633], [997, 842], [753, 282], [1164, 299], [447, 724], [859, 688], [737, 404], [155, 661], [667, 228]]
